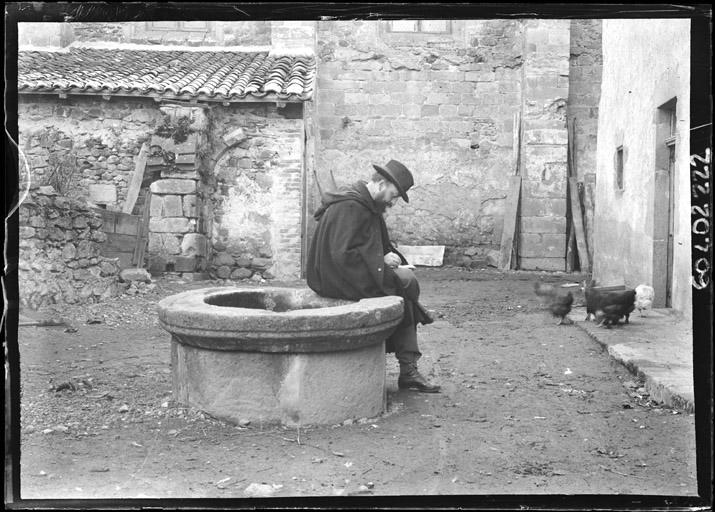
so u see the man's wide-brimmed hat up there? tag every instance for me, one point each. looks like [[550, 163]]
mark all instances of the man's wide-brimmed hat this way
[[399, 175]]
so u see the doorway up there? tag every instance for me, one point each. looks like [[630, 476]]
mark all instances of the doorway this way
[[664, 203]]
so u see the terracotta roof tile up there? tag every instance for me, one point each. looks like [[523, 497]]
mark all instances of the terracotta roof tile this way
[[188, 74]]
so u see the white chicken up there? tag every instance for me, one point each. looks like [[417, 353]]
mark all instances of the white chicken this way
[[644, 297]]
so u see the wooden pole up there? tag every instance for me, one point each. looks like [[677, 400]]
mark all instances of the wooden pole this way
[[508, 251], [137, 178]]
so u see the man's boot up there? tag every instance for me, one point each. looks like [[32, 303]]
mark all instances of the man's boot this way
[[410, 377]]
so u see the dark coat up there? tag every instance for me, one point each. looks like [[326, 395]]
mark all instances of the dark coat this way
[[345, 258]]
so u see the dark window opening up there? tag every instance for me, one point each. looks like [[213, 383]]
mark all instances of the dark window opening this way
[[619, 168]]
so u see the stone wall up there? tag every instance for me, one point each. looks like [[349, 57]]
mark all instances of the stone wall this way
[[104, 31], [257, 188], [443, 104], [584, 93], [212, 33], [178, 155], [59, 252], [630, 237], [545, 78], [85, 146]]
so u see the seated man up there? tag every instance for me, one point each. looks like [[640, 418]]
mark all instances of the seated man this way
[[351, 257]]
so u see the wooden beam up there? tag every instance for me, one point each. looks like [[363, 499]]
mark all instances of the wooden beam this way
[[507, 253], [577, 223], [142, 234], [570, 252], [137, 178]]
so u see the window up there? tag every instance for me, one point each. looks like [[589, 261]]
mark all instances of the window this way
[[619, 168], [420, 26], [670, 139]]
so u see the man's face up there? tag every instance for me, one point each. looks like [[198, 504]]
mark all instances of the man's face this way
[[388, 194]]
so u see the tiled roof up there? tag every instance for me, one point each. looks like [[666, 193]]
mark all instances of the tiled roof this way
[[222, 75]]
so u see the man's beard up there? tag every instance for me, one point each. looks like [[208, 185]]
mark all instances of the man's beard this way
[[383, 205]]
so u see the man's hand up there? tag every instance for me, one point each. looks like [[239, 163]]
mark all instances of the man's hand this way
[[392, 260]]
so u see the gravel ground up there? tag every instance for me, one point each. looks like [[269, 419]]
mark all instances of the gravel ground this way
[[527, 407]]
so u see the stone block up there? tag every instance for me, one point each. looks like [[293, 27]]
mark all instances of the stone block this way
[[185, 263], [190, 205], [241, 273], [69, 252], [192, 174], [79, 222], [550, 224], [542, 207], [550, 264], [170, 225], [223, 272], [243, 261], [172, 206], [161, 243], [546, 136], [173, 186], [157, 265], [545, 188], [261, 263], [156, 207], [102, 194], [194, 244], [135, 274], [537, 245], [224, 259]]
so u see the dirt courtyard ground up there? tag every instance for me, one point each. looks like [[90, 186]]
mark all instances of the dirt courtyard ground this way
[[527, 407]]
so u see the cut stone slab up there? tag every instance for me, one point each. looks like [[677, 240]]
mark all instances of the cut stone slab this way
[[173, 186], [424, 255], [102, 194]]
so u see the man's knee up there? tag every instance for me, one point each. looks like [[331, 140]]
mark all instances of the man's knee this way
[[409, 283]]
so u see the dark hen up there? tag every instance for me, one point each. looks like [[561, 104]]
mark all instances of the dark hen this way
[[558, 301], [614, 305], [591, 297]]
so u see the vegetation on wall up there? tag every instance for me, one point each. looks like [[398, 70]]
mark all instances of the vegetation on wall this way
[[178, 130], [62, 167]]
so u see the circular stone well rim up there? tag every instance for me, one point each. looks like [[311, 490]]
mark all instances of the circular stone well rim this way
[[345, 326]]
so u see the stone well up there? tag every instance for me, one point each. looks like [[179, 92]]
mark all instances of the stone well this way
[[285, 355]]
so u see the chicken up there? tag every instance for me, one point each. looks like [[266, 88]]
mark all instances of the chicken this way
[[613, 305], [644, 297], [558, 302], [590, 295]]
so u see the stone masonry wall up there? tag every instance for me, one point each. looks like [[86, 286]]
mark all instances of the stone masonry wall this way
[[213, 33], [87, 143], [177, 155], [256, 192], [542, 230], [59, 252], [585, 69], [443, 104]]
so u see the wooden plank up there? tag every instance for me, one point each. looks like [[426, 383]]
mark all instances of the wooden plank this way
[[119, 243], [570, 249], [127, 224], [577, 222], [516, 138], [137, 178], [571, 133], [143, 234], [507, 251]]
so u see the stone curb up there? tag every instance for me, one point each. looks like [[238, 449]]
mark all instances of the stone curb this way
[[666, 380]]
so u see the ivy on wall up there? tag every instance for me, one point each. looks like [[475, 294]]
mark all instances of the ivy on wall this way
[[178, 131]]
